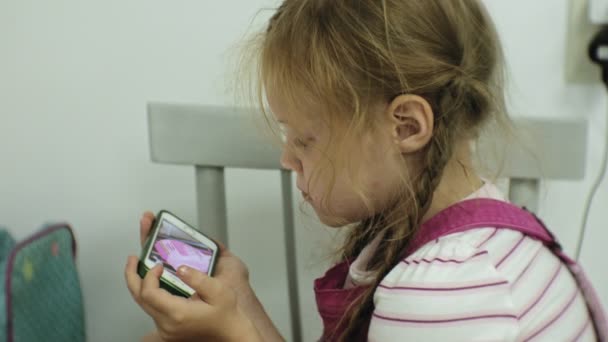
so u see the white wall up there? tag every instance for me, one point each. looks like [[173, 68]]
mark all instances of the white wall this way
[[74, 80], [534, 38]]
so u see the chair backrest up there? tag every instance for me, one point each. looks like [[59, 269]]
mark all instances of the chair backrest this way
[[212, 138]]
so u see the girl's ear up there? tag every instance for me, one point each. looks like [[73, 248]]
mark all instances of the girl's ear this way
[[411, 122]]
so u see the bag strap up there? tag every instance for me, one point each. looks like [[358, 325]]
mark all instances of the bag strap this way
[[7, 242], [485, 212]]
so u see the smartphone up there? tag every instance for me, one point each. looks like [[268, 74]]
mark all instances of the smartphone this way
[[173, 243]]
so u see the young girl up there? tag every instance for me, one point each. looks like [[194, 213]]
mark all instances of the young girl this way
[[379, 102]]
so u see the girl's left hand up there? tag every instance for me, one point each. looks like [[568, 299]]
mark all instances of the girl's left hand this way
[[214, 317]]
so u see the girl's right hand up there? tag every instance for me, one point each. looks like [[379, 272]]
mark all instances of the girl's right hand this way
[[229, 268], [232, 272]]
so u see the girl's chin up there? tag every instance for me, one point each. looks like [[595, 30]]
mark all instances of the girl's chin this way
[[306, 197], [332, 221]]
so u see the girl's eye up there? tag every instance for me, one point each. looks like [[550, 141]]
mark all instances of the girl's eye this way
[[300, 143]]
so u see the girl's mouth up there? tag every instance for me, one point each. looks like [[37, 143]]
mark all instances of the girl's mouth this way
[[306, 196]]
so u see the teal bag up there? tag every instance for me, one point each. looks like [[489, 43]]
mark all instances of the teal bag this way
[[40, 295]]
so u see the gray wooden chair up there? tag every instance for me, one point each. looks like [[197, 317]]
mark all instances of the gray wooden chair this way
[[213, 138]]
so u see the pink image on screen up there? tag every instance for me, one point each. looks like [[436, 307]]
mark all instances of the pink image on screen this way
[[177, 253]]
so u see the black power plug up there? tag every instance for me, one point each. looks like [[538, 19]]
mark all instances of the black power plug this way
[[598, 52]]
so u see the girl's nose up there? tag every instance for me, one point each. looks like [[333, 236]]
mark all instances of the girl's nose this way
[[290, 162]]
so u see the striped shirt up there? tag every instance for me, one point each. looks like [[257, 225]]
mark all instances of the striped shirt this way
[[484, 284]]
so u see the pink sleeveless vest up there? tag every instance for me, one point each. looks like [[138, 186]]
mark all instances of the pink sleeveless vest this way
[[333, 300]]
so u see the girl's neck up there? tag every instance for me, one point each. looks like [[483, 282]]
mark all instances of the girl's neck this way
[[458, 181]]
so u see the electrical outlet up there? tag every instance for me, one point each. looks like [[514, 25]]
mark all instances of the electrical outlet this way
[[579, 68], [598, 11]]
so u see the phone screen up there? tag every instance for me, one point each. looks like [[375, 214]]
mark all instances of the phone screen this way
[[173, 247]]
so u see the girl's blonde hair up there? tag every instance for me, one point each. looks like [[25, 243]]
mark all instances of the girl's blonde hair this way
[[343, 57]]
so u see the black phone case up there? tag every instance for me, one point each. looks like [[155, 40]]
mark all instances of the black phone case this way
[[142, 269]]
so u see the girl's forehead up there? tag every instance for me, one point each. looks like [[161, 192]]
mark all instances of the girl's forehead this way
[[294, 115], [301, 124]]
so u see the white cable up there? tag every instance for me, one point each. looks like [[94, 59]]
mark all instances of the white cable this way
[[594, 188]]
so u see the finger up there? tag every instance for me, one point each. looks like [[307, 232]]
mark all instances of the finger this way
[[134, 284], [222, 249], [221, 246], [145, 224], [132, 278], [149, 214], [152, 337], [157, 298], [209, 289], [151, 280]]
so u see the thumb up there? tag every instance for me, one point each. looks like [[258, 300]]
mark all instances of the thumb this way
[[222, 248], [209, 289]]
